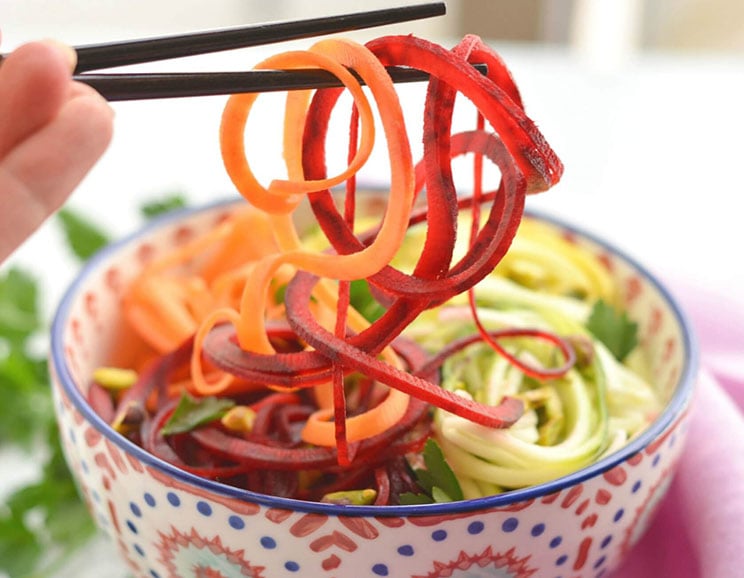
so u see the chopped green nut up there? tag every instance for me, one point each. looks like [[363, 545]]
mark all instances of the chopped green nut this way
[[547, 403], [239, 419], [115, 378], [364, 497], [583, 348], [128, 417]]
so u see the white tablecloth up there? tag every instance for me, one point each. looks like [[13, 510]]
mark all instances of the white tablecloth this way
[[652, 153]]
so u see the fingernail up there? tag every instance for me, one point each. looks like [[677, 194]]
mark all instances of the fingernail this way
[[65, 49]]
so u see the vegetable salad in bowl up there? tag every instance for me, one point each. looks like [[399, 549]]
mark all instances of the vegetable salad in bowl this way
[[323, 368], [551, 286]]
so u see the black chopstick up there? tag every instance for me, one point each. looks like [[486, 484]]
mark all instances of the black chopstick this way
[[112, 54], [118, 87]]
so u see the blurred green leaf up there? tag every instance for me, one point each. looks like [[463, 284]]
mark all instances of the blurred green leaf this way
[[362, 300], [25, 403], [45, 521], [42, 522], [84, 238], [19, 547], [19, 315], [164, 205]]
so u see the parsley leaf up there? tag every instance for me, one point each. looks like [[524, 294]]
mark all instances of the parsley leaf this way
[[45, 521], [613, 328], [19, 315], [83, 237], [42, 522], [437, 480], [19, 547], [25, 402], [362, 300], [191, 412], [161, 206]]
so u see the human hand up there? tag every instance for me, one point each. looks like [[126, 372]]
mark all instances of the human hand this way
[[52, 131]]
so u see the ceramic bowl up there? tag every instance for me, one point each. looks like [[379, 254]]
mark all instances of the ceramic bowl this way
[[167, 523]]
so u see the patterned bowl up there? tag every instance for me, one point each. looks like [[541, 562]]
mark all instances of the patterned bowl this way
[[170, 524]]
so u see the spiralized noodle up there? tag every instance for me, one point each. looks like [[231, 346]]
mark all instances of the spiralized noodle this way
[[595, 409], [478, 339]]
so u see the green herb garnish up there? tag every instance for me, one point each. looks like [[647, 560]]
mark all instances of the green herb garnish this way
[[613, 328], [190, 413], [161, 206], [437, 480], [25, 403], [362, 300], [83, 237], [44, 521]]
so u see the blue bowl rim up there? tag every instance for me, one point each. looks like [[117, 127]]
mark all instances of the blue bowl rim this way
[[677, 404]]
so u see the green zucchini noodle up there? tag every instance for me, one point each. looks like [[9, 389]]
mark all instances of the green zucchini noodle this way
[[548, 283]]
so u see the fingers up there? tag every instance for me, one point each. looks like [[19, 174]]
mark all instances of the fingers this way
[[39, 173], [66, 50], [34, 83]]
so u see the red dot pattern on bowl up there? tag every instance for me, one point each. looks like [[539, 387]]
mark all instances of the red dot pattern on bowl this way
[[581, 531], [617, 504]]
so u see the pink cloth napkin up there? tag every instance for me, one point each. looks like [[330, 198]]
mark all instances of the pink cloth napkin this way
[[699, 530]]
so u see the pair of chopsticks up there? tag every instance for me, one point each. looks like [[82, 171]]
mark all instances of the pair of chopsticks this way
[[137, 86]]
